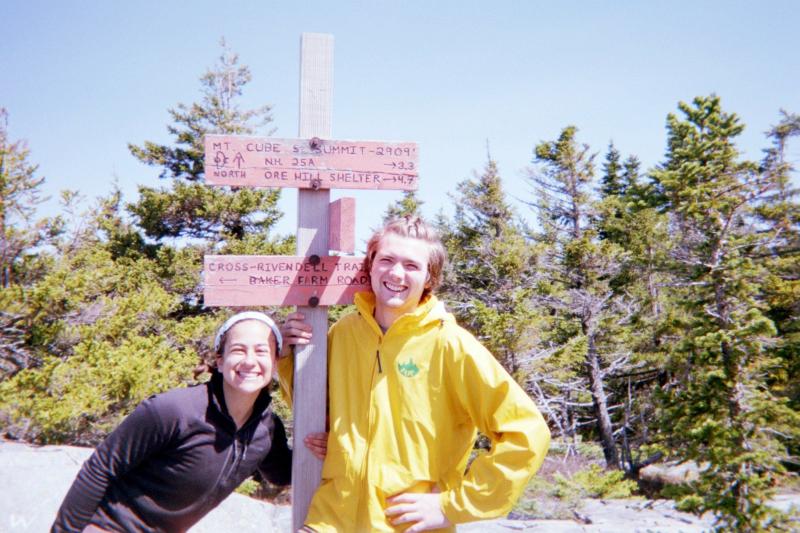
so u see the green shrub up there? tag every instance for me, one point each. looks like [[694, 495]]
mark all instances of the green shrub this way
[[105, 336], [542, 500], [560, 497], [595, 482], [248, 487]]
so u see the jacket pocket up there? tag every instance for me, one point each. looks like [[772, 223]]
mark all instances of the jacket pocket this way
[[394, 479]]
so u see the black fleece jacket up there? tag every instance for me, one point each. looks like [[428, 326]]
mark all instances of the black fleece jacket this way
[[172, 460]]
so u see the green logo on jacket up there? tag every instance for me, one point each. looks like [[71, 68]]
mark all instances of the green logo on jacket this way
[[408, 369]]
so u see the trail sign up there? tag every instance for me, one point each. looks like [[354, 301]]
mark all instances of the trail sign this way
[[241, 280], [310, 163], [314, 165]]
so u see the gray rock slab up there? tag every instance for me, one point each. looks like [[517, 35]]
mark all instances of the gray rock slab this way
[[606, 516], [36, 478]]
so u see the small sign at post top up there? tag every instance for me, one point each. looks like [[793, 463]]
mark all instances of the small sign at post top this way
[[241, 161], [342, 225], [246, 280]]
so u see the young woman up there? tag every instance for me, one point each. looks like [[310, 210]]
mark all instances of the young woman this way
[[180, 453]]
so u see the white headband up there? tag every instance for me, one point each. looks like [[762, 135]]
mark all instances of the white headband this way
[[248, 315]]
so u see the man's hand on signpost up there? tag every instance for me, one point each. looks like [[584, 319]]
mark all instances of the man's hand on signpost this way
[[317, 443], [294, 331], [421, 509]]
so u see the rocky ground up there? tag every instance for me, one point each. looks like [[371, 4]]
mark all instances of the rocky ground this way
[[35, 479]]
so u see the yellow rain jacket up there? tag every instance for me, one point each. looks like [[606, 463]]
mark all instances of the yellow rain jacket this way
[[404, 408]]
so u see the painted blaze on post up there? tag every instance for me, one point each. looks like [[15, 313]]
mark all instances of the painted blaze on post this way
[[310, 163]]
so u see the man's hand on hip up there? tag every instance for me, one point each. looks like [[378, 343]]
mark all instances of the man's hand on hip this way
[[423, 510]]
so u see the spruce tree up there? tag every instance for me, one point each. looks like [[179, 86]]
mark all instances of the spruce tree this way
[[408, 205], [612, 191], [489, 280], [230, 220], [117, 315], [625, 216], [612, 182], [587, 314], [23, 260], [781, 210], [630, 174], [719, 411], [20, 194]]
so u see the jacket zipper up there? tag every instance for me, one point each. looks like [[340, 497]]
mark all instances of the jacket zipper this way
[[364, 463]]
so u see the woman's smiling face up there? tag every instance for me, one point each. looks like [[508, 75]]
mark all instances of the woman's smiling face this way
[[248, 357]]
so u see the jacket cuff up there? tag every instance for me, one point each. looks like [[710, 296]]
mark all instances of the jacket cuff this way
[[286, 377]]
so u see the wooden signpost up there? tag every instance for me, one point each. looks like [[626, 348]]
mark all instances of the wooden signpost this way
[[314, 164]]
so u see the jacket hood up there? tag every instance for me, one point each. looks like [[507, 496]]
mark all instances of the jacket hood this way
[[430, 310]]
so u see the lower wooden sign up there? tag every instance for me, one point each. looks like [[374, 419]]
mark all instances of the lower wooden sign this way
[[250, 280]]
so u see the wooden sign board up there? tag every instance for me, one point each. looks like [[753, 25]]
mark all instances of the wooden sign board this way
[[251, 280], [241, 161]]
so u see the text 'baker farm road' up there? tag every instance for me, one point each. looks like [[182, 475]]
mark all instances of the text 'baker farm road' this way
[[282, 280]]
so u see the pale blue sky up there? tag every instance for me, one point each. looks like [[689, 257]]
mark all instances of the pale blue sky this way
[[81, 79]]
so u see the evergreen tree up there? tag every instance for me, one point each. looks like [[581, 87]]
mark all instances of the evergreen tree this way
[[612, 191], [624, 216], [630, 174], [719, 412], [588, 316], [408, 205], [196, 217], [230, 219], [117, 314], [613, 183], [23, 237], [488, 283], [103, 331], [781, 210], [20, 194]]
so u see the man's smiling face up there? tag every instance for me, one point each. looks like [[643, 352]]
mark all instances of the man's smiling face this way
[[399, 274]]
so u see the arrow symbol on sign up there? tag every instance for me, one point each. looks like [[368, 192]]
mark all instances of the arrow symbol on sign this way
[[239, 159], [223, 280]]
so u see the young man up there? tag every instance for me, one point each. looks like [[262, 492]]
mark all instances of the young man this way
[[408, 388]]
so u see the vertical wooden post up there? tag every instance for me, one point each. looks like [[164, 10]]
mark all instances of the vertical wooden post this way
[[311, 363]]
